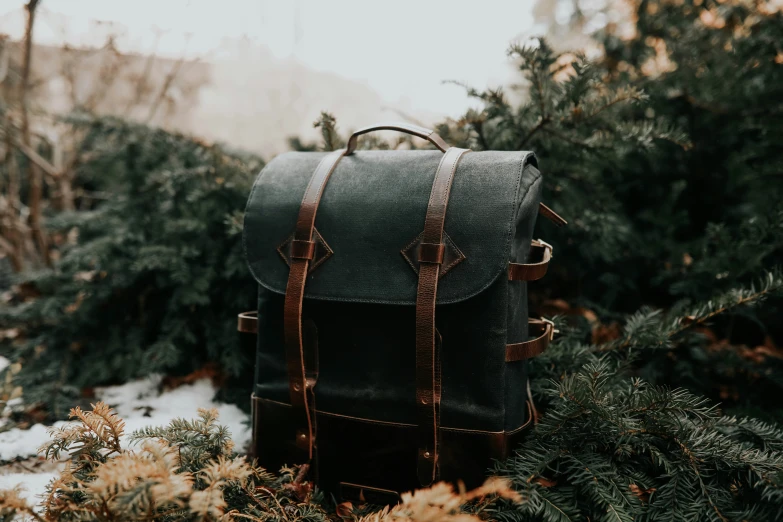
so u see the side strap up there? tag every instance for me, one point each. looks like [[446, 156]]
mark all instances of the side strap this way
[[545, 329], [301, 381], [247, 322], [428, 379], [551, 215], [532, 271]]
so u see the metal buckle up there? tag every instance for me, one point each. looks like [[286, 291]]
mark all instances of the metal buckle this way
[[553, 331], [546, 245]]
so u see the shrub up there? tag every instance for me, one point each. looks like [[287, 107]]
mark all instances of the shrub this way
[[149, 280], [187, 471]]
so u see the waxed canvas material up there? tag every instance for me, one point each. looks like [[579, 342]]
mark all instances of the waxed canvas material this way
[[367, 352], [367, 360], [373, 206]]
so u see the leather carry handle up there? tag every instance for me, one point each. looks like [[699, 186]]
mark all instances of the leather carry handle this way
[[407, 128]]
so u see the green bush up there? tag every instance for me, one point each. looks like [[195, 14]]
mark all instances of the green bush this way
[[669, 172], [150, 280], [670, 177]]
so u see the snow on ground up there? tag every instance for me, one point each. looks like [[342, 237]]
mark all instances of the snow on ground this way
[[23, 443], [140, 404], [32, 485]]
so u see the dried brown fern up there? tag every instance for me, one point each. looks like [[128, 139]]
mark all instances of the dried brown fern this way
[[187, 472], [56, 502], [97, 434], [104, 423], [15, 507], [135, 484], [441, 503], [209, 502]]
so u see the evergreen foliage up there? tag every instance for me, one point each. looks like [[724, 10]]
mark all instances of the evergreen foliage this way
[[188, 472], [664, 156], [614, 449], [613, 446], [149, 280]]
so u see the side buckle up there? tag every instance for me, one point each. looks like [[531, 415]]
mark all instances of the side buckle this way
[[553, 331], [542, 243]]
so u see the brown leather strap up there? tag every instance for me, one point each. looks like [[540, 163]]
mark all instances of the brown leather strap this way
[[428, 379], [301, 380], [551, 215], [408, 128], [532, 271], [247, 322], [544, 331]]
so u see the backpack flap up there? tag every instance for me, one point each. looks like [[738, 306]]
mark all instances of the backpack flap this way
[[372, 214]]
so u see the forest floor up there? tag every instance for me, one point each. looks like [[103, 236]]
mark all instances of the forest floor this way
[[140, 403]]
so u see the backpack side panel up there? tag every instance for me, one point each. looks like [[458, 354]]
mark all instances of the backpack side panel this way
[[515, 373]]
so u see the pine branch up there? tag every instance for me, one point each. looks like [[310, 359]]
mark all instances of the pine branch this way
[[656, 330], [604, 438], [540, 125], [328, 125]]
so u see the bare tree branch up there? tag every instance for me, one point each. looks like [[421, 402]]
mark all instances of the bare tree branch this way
[[10, 210], [143, 82], [39, 160], [34, 173], [170, 77], [4, 57]]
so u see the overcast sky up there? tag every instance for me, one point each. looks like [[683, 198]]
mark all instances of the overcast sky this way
[[403, 49]]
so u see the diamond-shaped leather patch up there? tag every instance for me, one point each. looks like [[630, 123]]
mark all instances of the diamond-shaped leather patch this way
[[452, 255], [322, 251]]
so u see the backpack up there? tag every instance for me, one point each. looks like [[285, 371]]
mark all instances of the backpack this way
[[392, 329]]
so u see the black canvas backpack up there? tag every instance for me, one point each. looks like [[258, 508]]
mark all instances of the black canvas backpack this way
[[392, 324]]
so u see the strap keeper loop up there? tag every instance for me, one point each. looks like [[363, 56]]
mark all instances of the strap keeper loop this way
[[302, 249], [431, 253]]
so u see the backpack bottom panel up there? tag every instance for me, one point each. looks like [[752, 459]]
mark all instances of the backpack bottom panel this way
[[365, 458]]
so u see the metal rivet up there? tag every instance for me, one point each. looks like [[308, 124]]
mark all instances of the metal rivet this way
[[303, 436], [424, 401], [426, 454], [297, 387]]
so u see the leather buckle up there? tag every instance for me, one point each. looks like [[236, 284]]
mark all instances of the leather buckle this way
[[553, 331], [542, 243], [431, 253], [302, 249], [247, 322]]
